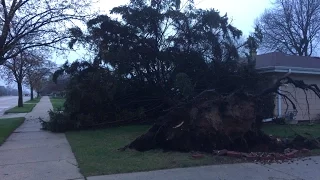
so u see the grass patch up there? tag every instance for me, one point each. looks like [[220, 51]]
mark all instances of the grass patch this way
[[25, 109], [97, 150], [34, 101], [7, 126], [57, 103], [291, 130], [97, 153]]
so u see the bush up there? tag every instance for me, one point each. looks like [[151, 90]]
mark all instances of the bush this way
[[279, 120], [57, 123]]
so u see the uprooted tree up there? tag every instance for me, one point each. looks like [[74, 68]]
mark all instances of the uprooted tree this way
[[211, 121], [177, 68]]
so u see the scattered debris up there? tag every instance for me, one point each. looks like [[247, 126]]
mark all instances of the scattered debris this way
[[265, 157], [220, 152], [198, 156]]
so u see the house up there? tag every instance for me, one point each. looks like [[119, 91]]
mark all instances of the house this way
[[307, 69]]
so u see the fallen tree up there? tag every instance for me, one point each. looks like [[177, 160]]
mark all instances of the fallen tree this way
[[211, 121], [160, 59]]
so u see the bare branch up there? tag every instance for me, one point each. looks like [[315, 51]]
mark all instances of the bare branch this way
[[291, 26], [45, 21]]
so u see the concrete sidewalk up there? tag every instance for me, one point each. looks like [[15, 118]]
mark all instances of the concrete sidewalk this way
[[13, 115], [32, 154], [305, 169]]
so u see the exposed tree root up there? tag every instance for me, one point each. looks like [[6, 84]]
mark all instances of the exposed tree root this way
[[211, 122]]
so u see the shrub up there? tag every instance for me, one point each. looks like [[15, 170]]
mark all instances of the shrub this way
[[279, 120], [184, 85], [58, 122]]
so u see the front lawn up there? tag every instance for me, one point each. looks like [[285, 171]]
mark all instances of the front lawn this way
[[7, 126], [25, 109], [97, 150], [290, 130], [97, 153], [57, 103]]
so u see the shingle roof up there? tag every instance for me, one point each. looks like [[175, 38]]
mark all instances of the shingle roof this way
[[281, 59]]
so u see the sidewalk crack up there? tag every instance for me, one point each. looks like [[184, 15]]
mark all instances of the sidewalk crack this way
[[72, 163], [282, 172], [35, 162]]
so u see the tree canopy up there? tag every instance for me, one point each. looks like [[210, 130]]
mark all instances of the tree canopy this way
[[160, 53]]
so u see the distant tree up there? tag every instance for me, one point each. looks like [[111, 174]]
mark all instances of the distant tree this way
[[16, 69], [45, 21], [48, 86], [291, 26], [3, 91], [37, 74]]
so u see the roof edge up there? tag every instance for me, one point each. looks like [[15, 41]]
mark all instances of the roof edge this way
[[285, 69]]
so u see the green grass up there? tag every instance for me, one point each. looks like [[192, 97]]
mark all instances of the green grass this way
[[25, 109], [97, 153], [7, 126], [97, 150], [290, 130], [34, 101], [57, 103]]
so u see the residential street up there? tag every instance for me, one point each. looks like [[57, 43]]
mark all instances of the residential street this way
[[7, 102]]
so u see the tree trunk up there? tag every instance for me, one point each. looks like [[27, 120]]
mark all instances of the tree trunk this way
[[20, 95], [31, 93]]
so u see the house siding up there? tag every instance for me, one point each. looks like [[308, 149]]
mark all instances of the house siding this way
[[304, 113]]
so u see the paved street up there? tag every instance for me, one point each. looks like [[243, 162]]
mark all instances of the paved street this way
[[7, 102]]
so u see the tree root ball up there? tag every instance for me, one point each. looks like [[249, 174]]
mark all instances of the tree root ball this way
[[209, 122]]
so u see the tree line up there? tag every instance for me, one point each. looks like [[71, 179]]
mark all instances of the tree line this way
[[30, 31]]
